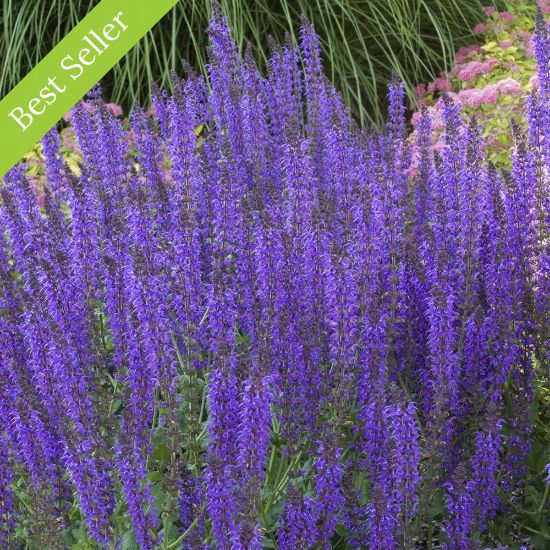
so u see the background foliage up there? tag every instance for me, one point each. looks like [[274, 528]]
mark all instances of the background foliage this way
[[362, 41], [490, 79]]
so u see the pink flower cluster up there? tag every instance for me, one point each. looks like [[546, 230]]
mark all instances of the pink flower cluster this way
[[473, 97], [506, 15], [509, 86], [528, 45], [479, 28], [436, 117], [544, 5], [471, 63], [441, 84], [420, 91], [470, 70], [470, 97], [466, 51]]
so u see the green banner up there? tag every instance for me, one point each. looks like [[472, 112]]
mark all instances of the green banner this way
[[74, 66]]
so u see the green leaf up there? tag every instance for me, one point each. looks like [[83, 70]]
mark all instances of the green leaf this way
[[154, 477], [434, 511], [161, 452], [129, 541]]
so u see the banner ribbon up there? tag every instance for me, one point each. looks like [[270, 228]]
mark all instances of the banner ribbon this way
[[70, 70]]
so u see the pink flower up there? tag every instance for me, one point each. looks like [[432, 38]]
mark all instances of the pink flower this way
[[469, 71], [443, 84], [168, 177], [68, 138], [438, 124], [528, 45], [435, 116], [420, 91], [507, 16], [480, 27], [544, 5], [489, 10], [489, 94], [470, 97], [114, 108], [131, 136], [474, 68], [465, 51], [41, 196], [505, 44], [452, 95], [464, 95], [534, 81], [439, 145], [509, 86]]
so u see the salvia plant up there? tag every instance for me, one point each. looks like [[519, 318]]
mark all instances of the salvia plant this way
[[248, 323]]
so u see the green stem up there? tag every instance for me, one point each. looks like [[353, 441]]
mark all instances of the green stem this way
[[282, 483], [182, 537], [543, 502], [115, 388], [270, 465]]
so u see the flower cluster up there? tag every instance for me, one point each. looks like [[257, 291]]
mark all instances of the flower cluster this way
[[250, 324], [490, 79], [475, 68]]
